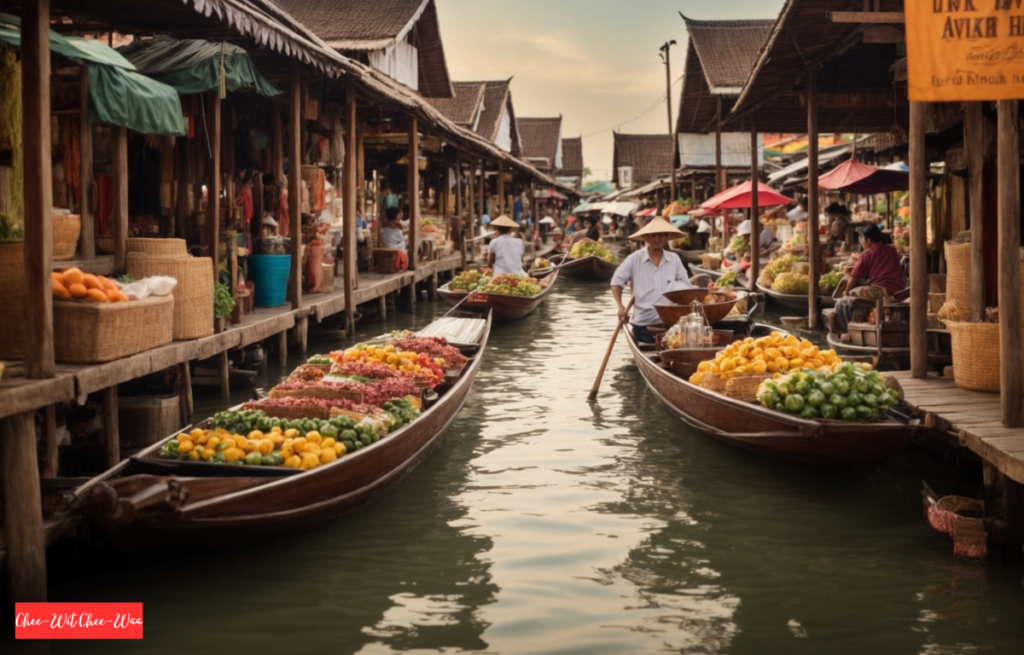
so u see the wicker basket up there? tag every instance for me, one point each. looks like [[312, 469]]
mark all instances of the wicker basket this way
[[744, 387], [105, 245], [711, 263], [935, 302], [193, 306], [320, 392], [12, 318], [714, 382], [970, 541], [958, 273], [943, 514], [66, 230], [86, 332], [976, 356], [326, 279], [159, 247]]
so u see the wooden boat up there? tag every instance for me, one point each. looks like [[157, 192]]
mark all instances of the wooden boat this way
[[504, 307], [145, 503], [833, 444], [590, 267], [795, 300]]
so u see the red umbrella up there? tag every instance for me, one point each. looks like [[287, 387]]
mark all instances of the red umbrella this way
[[647, 212], [739, 197], [854, 177]]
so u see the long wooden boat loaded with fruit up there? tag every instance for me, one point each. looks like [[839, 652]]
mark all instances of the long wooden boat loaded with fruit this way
[[330, 437], [784, 398], [589, 260], [508, 297], [786, 282]]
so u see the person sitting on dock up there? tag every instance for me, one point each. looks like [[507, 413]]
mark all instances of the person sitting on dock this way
[[879, 267], [650, 271], [505, 251], [391, 235]]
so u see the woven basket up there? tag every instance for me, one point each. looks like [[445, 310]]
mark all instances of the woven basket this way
[[159, 247], [193, 295], [714, 382], [105, 245], [66, 229], [976, 356], [326, 279], [711, 263], [12, 318], [970, 541], [958, 273], [943, 514], [86, 332], [744, 387], [935, 302]]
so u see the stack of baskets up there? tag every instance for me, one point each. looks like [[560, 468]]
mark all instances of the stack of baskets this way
[[66, 230], [87, 332], [958, 273], [193, 295]]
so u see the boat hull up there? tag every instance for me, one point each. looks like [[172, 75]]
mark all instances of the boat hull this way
[[794, 300], [588, 268], [858, 446], [503, 308]]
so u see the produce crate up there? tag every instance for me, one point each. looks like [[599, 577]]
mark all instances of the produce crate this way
[[86, 332], [385, 260]]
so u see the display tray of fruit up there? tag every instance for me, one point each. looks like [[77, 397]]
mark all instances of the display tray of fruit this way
[[587, 247], [850, 393]]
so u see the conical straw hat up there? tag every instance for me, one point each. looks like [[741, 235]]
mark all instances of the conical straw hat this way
[[657, 226], [504, 221]]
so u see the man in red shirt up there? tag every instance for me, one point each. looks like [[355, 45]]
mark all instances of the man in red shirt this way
[[877, 274]]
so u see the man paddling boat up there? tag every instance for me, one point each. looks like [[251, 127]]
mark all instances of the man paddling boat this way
[[650, 271]]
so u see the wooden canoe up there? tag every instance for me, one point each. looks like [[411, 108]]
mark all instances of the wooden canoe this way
[[590, 267], [795, 300], [831, 444], [141, 504], [503, 307]]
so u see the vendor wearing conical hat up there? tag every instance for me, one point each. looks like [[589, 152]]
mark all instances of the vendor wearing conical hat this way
[[505, 251], [650, 271]]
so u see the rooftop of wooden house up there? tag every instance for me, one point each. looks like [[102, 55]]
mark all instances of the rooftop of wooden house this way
[[649, 155], [542, 142]]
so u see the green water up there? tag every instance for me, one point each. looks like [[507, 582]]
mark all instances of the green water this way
[[544, 524]]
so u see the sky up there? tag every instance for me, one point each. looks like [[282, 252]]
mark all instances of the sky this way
[[595, 62]]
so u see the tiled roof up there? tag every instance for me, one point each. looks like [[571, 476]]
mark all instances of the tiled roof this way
[[495, 98], [540, 138], [650, 155], [572, 157], [464, 107], [728, 49]]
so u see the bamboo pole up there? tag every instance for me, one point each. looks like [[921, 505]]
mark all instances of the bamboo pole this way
[[755, 218], [87, 238], [1010, 374], [813, 242], [119, 170], [460, 219], [471, 200], [414, 195], [349, 198], [22, 500], [974, 149], [294, 184], [501, 187], [719, 173], [38, 192], [918, 244], [213, 206]]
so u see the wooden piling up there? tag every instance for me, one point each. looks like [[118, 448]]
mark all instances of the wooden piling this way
[[755, 216], [185, 392], [974, 150], [111, 433], [918, 244], [294, 184], [224, 372], [382, 303], [414, 193], [349, 244], [282, 348], [23, 506], [87, 237], [1010, 374], [813, 242]]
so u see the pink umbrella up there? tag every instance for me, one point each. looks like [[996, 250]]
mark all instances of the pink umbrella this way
[[855, 177], [647, 212], [739, 197]]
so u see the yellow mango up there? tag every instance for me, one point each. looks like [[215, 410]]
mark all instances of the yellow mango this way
[[240, 441], [285, 453], [313, 437], [203, 439], [773, 353], [782, 363], [276, 428], [255, 435], [212, 442], [292, 462], [728, 365], [265, 446], [276, 438], [184, 437], [310, 461], [195, 434], [328, 456], [291, 433], [232, 454], [312, 449], [251, 447], [759, 366], [339, 448], [796, 363], [299, 446], [328, 442], [772, 367], [208, 453], [185, 447], [194, 455], [703, 367]]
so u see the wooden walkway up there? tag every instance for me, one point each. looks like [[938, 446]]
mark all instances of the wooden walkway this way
[[973, 416], [18, 394]]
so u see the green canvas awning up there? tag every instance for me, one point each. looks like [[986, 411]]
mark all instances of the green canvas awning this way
[[194, 66]]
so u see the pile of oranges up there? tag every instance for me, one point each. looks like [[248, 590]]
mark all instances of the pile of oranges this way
[[73, 283], [771, 354]]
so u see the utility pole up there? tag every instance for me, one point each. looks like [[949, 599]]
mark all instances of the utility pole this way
[[664, 54]]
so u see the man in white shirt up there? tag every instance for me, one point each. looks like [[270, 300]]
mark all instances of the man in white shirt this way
[[650, 271], [505, 251]]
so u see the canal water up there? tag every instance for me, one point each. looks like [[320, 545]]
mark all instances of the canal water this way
[[544, 524]]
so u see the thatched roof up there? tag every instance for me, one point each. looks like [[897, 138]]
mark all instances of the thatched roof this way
[[855, 80], [498, 103], [463, 108], [357, 26], [650, 155], [719, 57], [572, 157], [542, 141]]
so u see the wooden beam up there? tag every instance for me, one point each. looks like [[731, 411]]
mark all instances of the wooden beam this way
[[23, 506], [470, 232], [414, 194], [918, 244], [224, 372], [813, 242], [1008, 159], [276, 146], [459, 218], [294, 186], [213, 198], [51, 449], [111, 430], [883, 34], [755, 217], [866, 17], [87, 238], [119, 170], [38, 193], [349, 198], [974, 146], [501, 188]]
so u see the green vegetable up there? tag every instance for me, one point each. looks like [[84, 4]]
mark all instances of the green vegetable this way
[[794, 402], [217, 459], [272, 460], [838, 400], [816, 399], [827, 411], [842, 387], [803, 388], [329, 431], [827, 388], [848, 414], [854, 398], [871, 400], [809, 412], [864, 412], [254, 459], [223, 303]]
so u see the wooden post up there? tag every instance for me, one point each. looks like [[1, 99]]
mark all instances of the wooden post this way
[[433, 286], [974, 150], [185, 392], [382, 304], [349, 197], [119, 170], [501, 187], [302, 332], [918, 244], [471, 210], [184, 178], [223, 369], [87, 238], [414, 194], [276, 145], [1010, 374], [755, 217], [236, 313], [213, 206], [51, 453], [460, 219], [227, 168], [282, 348], [813, 241], [482, 195], [23, 508], [295, 186], [38, 194], [111, 433], [719, 183]]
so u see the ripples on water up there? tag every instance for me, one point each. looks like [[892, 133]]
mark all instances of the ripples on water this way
[[544, 524]]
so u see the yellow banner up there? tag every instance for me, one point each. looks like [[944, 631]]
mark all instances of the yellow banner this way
[[965, 49]]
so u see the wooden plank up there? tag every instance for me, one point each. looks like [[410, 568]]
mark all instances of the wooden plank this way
[[918, 243], [38, 189], [294, 186], [119, 174], [102, 265], [265, 329], [22, 501], [814, 251], [20, 395], [209, 346], [87, 237], [866, 17], [1010, 377]]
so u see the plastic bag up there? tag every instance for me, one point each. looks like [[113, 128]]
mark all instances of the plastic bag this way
[[157, 285]]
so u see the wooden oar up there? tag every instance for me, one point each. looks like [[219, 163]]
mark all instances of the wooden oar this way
[[607, 355]]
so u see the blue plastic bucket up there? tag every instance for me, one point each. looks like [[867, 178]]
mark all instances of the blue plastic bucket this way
[[270, 275]]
